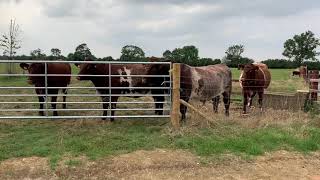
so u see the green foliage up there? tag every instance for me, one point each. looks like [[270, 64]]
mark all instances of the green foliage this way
[[108, 58], [37, 54], [235, 61], [81, 53], [188, 55], [234, 51], [279, 63], [56, 53], [287, 64], [301, 47], [132, 53], [233, 56]]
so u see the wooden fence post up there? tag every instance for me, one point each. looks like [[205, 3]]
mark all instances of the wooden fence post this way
[[175, 111], [314, 74]]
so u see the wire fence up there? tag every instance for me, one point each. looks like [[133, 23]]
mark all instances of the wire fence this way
[[123, 88]]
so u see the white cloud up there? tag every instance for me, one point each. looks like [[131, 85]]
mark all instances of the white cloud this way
[[262, 26]]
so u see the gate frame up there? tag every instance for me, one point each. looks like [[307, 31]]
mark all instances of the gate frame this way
[[47, 109]]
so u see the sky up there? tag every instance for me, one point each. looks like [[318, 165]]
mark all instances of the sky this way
[[262, 26]]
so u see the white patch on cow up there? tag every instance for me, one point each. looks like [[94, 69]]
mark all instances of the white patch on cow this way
[[126, 78], [195, 85], [241, 74]]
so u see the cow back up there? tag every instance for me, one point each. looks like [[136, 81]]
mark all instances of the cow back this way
[[210, 81], [263, 75], [59, 68]]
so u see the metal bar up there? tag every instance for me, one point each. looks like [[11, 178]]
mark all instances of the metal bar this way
[[83, 95], [46, 85], [80, 62], [96, 102], [110, 88], [74, 117], [82, 75], [126, 109], [74, 87]]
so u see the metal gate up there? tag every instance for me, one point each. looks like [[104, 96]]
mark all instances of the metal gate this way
[[18, 99]]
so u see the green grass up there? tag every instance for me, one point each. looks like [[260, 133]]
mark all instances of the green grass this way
[[94, 140]]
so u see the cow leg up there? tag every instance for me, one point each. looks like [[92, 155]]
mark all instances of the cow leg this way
[[226, 101], [113, 106], [245, 101], [260, 94], [54, 102], [105, 106], [215, 103], [65, 92], [41, 101], [158, 106], [251, 98], [183, 110]]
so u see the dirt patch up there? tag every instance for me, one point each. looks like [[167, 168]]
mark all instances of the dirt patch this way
[[26, 168], [169, 164]]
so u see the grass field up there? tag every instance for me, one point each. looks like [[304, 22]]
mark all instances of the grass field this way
[[245, 136]]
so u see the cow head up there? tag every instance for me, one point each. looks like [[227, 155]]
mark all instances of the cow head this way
[[249, 72], [86, 69], [158, 69], [34, 68]]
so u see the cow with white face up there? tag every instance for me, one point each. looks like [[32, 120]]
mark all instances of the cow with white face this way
[[102, 82]]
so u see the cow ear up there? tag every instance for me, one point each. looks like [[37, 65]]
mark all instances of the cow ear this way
[[240, 66], [24, 66], [77, 64]]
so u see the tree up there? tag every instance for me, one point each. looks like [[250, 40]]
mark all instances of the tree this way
[[186, 54], [167, 55], [10, 43], [82, 52], [132, 53], [55, 52], [301, 47], [108, 58], [37, 54], [233, 56], [235, 50]]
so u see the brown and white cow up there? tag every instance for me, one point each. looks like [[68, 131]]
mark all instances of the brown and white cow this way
[[204, 83], [254, 78], [52, 81], [102, 82]]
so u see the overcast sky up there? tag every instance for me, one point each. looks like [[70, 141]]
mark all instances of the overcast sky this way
[[106, 26]]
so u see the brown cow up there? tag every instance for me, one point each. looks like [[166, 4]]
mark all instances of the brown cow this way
[[254, 79], [52, 81], [102, 83], [204, 83]]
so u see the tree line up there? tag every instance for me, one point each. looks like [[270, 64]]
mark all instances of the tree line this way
[[299, 50]]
